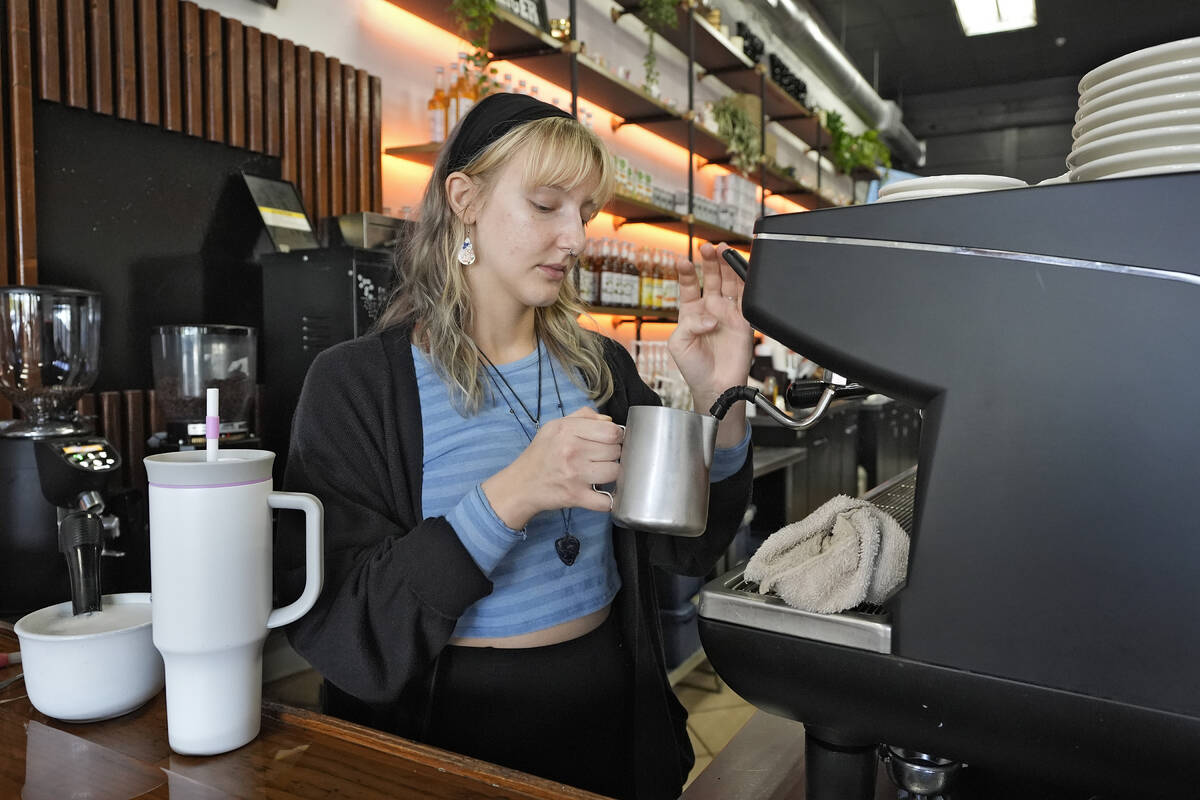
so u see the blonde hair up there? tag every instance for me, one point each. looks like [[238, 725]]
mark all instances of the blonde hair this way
[[431, 292]]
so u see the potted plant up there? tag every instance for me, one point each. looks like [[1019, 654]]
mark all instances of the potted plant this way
[[475, 19], [735, 126], [655, 14], [849, 152]]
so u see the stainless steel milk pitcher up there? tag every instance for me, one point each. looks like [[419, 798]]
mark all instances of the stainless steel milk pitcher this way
[[663, 483]]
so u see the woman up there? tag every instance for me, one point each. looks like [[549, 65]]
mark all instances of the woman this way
[[477, 595]]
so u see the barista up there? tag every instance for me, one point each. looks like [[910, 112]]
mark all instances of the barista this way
[[477, 595]]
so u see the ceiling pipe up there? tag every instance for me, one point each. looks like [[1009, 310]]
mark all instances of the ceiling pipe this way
[[803, 30]]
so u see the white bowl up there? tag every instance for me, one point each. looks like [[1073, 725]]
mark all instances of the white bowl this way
[[1161, 169], [974, 183], [1183, 101], [1154, 159], [1142, 122], [1133, 142], [94, 666], [1181, 66], [1172, 84], [1139, 59], [917, 194]]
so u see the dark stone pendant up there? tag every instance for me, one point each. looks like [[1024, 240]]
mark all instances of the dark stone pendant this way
[[567, 547]]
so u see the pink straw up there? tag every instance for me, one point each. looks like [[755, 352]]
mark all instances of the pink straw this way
[[212, 426]]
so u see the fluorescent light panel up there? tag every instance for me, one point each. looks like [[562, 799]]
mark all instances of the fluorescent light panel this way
[[993, 16]]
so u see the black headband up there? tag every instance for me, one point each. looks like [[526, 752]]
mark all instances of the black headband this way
[[491, 118]]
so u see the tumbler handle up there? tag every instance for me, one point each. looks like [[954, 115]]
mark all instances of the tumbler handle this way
[[314, 554]]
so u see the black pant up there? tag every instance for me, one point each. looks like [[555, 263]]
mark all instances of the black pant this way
[[560, 712]]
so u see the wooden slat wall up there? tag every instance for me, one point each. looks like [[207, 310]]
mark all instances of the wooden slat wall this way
[[18, 141], [170, 60], [172, 64], [125, 59], [99, 61]]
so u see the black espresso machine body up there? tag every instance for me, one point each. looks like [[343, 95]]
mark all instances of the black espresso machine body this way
[[44, 478], [1050, 336]]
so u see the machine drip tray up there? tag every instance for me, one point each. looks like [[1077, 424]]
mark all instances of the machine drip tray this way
[[733, 599]]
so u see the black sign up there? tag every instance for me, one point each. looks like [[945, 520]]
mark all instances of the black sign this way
[[532, 11]]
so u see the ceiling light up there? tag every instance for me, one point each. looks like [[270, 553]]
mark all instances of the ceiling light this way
[[993, 16]]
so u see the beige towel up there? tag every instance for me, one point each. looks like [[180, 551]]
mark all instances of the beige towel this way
[[845, 553]]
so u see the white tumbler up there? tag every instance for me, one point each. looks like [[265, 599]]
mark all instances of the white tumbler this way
[[210, 574]]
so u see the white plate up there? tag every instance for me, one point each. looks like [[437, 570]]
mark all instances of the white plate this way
[[1152, 157], [1164, 169], [1172, 84], [1182, 66], [1064, 178], [920, 194], [1132, 142], [1138, 59], [1142, 122], [1185, 101], [975, 183]]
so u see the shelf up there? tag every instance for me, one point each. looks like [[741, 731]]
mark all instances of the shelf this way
[[511, 37], [644, 314], [632, 211], [421, 153]]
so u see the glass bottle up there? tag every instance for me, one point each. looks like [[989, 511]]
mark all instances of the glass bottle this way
[[670, 283], [608, 275], [438, 107], [453, 89], [469, 91]]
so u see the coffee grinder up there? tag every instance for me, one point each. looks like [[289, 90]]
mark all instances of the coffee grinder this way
[[187, 361], [56, 475]]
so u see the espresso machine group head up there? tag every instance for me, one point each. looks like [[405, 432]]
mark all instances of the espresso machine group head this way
[[1049, 335]]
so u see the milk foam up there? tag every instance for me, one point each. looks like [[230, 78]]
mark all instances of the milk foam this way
[[113, 617]]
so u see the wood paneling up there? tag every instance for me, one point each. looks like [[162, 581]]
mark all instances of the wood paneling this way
[[304, 122], [48, 51], [376, 144], [321, 155], [19, 118], [193, 69], [337, 175], [172, 64], [74, 55], [362, 149], [235, 84], [287, 109], [124, 32], [147, 27], [134, 446], [214, 99], [99, 62], [254, 90], [170, 60], [109, 424], [349, 136], [272, 120]]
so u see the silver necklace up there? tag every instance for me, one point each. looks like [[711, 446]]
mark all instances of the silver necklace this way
[[567, 545]]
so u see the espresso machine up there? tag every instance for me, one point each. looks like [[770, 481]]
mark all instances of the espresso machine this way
[[1046, 630], [58, 480]]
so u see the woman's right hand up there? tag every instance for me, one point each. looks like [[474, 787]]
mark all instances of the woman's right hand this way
[[558, 468]]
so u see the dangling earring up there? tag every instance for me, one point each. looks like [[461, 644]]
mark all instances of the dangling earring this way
[[466, 253]]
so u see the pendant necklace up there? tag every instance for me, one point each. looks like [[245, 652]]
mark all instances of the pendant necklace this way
[[567, 545]]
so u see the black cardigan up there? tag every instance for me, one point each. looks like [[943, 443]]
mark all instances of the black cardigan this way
[[396, 583]]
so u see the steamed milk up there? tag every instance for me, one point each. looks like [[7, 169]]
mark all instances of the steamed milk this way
[[117, 617]]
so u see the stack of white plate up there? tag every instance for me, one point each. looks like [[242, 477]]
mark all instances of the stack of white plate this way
[[945, 185], [1139, 114]]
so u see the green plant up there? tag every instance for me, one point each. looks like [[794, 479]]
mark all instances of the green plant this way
[[475, 19], [655, 14], [740, 131], [848, 152]]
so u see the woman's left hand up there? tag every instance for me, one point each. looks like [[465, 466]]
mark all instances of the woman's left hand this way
[[713, 344]]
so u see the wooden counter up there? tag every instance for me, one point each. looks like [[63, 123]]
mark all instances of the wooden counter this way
[[298, 754]]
